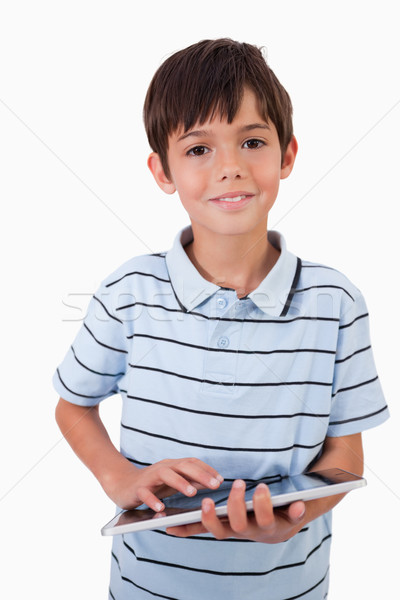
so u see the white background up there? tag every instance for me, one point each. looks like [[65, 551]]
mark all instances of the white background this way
[[77, 200]]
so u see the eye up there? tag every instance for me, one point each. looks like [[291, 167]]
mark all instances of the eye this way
[[254, 144], [197, 151]]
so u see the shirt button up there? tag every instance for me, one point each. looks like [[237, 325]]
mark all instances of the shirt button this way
[[221, 302], [223, 342]]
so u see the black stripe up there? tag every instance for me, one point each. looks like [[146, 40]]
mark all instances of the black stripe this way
[[311, 287], [353, 387], [198, 314], [104, 307], [229, 573], [227, 448], [181, 306], [249, 487], [204, 538], [137, 273], [201, 538], [373, 414], [81, 395], [104, 345], [111, 594], [269, 479], [341, 360], [292, 289], [138, 462], [310, 589], [241, 384], [224, 415], [352, 322], [91, 370], [139, 586], [207, 348], [136, 303]]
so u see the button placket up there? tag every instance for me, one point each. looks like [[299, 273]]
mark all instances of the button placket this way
[[220, 366], [223, 341], [221, 302]]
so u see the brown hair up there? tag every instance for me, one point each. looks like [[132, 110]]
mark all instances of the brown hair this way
[[206, 78]]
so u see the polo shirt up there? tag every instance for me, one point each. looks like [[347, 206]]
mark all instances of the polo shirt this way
[[251, 386]]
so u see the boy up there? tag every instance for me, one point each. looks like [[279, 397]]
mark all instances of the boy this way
[[234, 358]]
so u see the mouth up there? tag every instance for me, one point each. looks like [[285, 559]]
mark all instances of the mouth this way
[[232, 199]]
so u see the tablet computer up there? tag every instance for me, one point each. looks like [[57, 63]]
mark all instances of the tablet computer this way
[[181, 510]]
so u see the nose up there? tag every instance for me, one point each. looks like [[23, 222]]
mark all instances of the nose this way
[[229, 166]]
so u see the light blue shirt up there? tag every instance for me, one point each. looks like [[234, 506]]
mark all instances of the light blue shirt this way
[[251, 386]]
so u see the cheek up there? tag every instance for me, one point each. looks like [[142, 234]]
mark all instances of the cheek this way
[[269, 180], [266, 170], [189, 193], [189, 183]]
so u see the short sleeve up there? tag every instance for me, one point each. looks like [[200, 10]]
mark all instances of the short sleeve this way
[[357, 398], [97, 358]]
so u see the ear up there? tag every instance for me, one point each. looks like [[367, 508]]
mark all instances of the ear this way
[[155, 166], [289, 158]]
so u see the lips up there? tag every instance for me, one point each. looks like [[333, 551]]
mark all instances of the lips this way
[[232, 197], [232, 200], [235, 199]]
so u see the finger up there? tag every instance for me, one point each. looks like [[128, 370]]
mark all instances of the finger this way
[[292, 514], [148, 498], [208, 468], [168, 476], [296, 511], [211, 522], [200, 474], [237, 511], [263, 509], [186, 530]]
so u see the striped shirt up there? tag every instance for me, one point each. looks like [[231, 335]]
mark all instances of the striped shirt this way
[[251, 386]]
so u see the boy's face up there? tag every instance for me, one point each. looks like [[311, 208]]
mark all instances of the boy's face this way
[[240, 161]]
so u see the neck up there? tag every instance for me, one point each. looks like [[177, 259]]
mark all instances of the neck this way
[[239, 262]]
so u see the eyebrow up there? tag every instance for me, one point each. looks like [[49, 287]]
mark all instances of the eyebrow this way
[[205, 132]]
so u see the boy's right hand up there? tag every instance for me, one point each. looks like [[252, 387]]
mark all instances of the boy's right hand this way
[[130, 486], [127, 485]]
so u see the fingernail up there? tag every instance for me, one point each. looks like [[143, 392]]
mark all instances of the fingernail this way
[[239, 484], [301, 515], [190, 490], [214, 482], [261, 487], [219, 478], [206, 505], [159, 507]]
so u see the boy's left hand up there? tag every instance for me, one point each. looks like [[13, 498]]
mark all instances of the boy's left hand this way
[[263, 525]]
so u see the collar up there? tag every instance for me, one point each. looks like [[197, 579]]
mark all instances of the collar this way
[[272, 296]]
